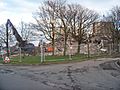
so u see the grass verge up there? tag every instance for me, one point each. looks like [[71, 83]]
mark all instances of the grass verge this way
[[33, 60]]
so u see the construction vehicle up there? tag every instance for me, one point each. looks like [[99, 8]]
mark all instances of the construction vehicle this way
[[23, 44]]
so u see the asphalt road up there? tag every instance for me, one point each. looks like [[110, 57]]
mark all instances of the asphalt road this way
[[98, 74], [10, 81]]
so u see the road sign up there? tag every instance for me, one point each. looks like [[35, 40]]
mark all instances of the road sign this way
[[6, 60]]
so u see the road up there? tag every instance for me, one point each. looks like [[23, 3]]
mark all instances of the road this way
[[96, 74]]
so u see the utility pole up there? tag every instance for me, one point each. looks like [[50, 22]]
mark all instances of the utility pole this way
[[41, 47]]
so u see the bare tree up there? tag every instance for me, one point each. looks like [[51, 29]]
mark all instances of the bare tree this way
[[47, 21], [64, 15], [115, 13], [73, 19], [26, 31], [3, 38], [82, 19], [114, 17], [2, 34]]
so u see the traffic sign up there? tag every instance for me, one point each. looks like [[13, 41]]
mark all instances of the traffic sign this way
[[6, 60]]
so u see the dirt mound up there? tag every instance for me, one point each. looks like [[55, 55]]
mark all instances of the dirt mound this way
[[108, 65]]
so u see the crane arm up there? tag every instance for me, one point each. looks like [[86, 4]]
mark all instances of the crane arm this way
[[15, 33]]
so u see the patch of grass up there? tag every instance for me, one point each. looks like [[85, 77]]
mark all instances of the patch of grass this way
[[1, 59], [25, 60], [50, 59]]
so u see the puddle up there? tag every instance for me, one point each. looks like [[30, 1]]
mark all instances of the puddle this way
[[6, 71]]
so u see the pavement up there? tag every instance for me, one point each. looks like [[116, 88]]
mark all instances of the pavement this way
[[98, 74]]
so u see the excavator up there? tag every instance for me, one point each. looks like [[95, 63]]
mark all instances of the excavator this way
[[23, 44]]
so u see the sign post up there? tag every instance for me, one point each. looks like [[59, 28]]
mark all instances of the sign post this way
[[20, 54], [41, 47]]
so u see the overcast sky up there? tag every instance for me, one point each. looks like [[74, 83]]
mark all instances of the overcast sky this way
[[17, 10]]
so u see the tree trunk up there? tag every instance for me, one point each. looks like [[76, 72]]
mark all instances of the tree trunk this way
[[78, 50], [53, 47], [65, 43]]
